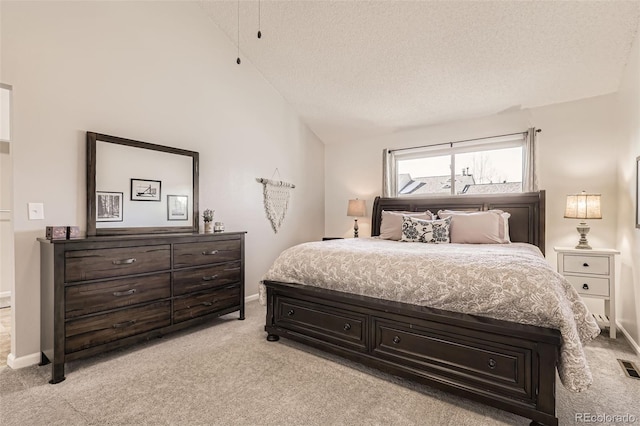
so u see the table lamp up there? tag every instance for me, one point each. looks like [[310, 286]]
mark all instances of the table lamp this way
[[583, 206], [356, 209]]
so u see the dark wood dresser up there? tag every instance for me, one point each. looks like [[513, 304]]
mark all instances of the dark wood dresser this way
[[102, 293]]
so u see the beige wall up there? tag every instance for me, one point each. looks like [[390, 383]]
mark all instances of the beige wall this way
[[160, 72], [628, 236]]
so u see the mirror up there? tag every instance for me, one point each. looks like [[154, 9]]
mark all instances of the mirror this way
[[137, 187]]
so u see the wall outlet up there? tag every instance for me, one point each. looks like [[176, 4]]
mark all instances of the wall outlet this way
[[36, 211]]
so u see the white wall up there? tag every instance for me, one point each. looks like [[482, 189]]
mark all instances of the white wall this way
[[159, 72], [628, 236]]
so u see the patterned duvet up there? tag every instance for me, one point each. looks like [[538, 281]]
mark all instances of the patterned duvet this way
[[511, 282]]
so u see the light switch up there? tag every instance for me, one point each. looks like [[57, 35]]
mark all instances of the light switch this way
[[36, 211]]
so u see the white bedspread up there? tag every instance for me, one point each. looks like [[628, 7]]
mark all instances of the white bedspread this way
[[511, 282]]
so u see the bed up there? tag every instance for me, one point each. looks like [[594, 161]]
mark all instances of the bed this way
[[469, 350]]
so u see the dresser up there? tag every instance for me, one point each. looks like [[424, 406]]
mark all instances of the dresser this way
[[102, 293], [592, 274]]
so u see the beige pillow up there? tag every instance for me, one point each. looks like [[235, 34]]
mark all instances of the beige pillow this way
[[486, 227], [391, 224]]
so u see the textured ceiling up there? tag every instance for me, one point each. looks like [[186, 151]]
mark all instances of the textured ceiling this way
[[357, 69]]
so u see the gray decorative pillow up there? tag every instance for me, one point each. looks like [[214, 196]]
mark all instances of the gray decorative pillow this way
[[425, 231]]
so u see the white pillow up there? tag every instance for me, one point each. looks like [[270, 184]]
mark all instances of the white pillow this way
[[391, 224], [425, 231], [484, 227]]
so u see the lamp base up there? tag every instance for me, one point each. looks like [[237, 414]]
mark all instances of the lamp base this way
[[583, 230], [355, 228]]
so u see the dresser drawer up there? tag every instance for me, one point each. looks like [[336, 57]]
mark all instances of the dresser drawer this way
[[197, 254], [590, 286], [585, 264], [196, 305], [457, 358], [198, 279], [325, 323], [85, 299], [83, 333], [82, 265]]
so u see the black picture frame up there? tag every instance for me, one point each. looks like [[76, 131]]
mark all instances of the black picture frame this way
[[638, 192], [109, 206], [177, 207], [146, 190]]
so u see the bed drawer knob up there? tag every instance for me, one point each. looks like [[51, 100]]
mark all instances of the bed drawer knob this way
[[347, 326], [396, 339], [585, 286], [291, 312], [492, 363], [585, 264]]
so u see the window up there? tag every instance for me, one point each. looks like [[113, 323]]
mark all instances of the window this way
[[480, 166]]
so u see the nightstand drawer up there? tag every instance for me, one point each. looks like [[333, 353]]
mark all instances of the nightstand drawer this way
[[590, 286], [583, 264]]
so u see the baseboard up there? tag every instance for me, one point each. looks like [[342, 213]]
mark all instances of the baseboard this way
[[632, 342], [251, 298], [23, 361]]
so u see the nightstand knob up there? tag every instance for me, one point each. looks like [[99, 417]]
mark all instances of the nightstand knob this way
[[585, 264], [291, 312], [585, 286], [396, 340]]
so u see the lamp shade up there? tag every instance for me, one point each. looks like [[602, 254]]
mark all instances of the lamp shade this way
[[583, 206], [357, 208]]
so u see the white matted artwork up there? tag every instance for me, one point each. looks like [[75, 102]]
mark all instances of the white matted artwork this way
[[108, 206], [177, 207]]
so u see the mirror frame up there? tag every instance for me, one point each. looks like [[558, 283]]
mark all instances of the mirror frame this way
[[92, 230]]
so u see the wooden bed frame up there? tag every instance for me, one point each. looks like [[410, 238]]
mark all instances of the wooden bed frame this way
[[503, 364]]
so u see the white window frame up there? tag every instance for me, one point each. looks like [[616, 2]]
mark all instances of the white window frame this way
[[522, 139]]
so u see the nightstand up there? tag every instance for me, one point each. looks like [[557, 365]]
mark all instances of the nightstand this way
[[592, 274]]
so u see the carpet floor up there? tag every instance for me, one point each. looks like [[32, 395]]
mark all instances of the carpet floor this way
[[228, 374]]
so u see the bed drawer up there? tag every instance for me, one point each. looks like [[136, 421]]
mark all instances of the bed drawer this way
[[586, 264], [590, 286], [199, 304], [322, 322], [85, 299], [96, 330], [191, 280], [197, 254], [468, 361], [82, 265]]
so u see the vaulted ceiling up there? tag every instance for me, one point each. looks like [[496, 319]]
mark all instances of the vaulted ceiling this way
[[358, 69]]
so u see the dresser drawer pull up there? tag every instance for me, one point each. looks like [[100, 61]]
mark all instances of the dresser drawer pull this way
[[209, 278], [585, 264], [492, 363], [124, 324], [207, 303], [210, 253], [291, 312], [396, 339], [124, 261], [124, 293], [347, 326], [585, 286]]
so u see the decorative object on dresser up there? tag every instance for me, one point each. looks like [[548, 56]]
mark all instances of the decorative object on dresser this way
[[62, 232], [583, 206], [103, 293], [504, 364], [356, 209], [593, 275], [207, 216]]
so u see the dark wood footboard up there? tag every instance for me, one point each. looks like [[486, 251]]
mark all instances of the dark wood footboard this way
[[502, 364]]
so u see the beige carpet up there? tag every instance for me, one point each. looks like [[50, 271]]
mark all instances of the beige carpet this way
[[228, 374]]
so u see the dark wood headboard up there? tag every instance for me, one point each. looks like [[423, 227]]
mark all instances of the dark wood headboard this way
[[526, 224]]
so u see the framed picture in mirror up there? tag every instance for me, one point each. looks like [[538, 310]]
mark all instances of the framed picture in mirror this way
[[177, 207], [108, 206], [145, 190]]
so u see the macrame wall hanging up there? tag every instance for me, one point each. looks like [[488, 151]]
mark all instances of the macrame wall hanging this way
[[276, 199]]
